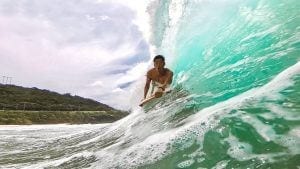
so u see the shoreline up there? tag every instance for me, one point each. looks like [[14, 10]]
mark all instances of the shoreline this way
[[20, 117]]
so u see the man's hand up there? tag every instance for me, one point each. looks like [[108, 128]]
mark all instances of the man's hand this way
[[163, 87], [158, 94]]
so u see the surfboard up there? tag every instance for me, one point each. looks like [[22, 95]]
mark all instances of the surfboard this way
[[152, 97], [143, 102]]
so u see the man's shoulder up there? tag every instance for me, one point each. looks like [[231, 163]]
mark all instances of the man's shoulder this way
[[151, 71], [170, 71]]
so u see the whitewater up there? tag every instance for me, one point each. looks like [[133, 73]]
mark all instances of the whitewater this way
[[235, 101]]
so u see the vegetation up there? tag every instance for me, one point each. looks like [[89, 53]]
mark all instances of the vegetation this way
[[21, 105], [20, 98], [55, 117]]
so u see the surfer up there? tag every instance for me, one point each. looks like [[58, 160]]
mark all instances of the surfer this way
[[160, 77]]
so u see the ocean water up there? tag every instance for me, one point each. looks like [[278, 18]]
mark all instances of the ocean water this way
[[235, 103]]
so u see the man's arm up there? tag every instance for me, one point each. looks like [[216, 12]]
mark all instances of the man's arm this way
[[147, 85], [168, 79]]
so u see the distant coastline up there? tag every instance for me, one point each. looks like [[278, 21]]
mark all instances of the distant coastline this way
[[19, 117], [20, 105]]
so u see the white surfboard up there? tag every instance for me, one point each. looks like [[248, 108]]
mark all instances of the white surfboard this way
[[152, 97]]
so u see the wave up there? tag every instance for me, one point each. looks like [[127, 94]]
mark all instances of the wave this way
[[235, 102]]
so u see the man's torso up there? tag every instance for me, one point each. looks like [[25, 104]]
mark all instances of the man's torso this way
[[155, 76]]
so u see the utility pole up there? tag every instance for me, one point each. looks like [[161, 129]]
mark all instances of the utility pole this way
[[3, 77], [6, 80]]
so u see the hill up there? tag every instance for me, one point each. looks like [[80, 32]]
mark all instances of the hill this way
[[20, 105], [21, 98]]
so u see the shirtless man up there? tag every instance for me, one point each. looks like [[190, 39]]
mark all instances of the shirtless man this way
[[160, 77]]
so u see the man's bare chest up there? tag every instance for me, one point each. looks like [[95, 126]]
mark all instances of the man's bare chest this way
[[158, 78]]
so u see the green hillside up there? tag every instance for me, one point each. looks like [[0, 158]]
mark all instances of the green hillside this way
[[20, 98], [20, 105]]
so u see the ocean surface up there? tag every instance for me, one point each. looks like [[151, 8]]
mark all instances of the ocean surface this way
[[235, 103]]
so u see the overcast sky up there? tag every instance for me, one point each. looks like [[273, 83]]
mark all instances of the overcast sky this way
[[89, 48]]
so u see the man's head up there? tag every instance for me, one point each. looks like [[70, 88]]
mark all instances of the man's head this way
[[159, 62]]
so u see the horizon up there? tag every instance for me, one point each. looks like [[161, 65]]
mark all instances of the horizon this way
[[93, 49]]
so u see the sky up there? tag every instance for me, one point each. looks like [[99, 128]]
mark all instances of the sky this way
[[90, 48]]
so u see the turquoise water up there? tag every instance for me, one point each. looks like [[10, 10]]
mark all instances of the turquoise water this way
[[244, 56], [224, 48], [235, 103]]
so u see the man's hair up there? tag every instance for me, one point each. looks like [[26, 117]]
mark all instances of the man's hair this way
[[159, 57]]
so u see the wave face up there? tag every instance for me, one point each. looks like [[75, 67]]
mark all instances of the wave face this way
[[235, 103]]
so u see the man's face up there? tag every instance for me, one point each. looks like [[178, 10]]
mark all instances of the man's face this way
[[159, 64]]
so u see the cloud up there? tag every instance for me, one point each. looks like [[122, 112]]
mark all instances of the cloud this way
[[97, 83], [88, 48], [133, 74]]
